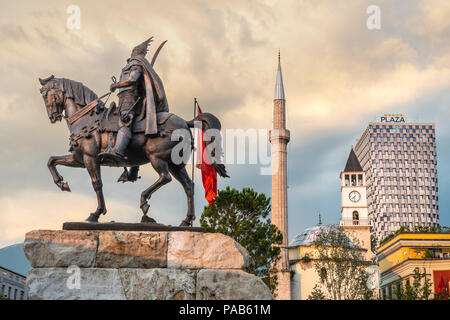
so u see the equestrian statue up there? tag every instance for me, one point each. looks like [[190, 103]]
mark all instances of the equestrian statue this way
[[136, 132]]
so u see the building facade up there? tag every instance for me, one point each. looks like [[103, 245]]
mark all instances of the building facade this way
[[302, 255], [279, 137], [13, 285], [399, 160], [428, 253]]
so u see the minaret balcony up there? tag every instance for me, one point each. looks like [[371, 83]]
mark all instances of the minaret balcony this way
[[279, 134]]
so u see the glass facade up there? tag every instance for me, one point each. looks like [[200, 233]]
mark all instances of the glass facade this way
[[401, 173]]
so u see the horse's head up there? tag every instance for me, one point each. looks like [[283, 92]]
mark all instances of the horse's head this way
[[53, 95]]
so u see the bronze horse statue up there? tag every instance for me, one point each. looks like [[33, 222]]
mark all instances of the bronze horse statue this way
[[93, 128]]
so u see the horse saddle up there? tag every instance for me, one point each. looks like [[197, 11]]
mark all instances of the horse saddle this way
[[110, 122], [107, 120]]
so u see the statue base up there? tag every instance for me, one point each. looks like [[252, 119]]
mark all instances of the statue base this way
[[138, 265], [123, 226]]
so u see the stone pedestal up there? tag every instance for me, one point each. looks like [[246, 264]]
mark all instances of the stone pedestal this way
[[133, 265]]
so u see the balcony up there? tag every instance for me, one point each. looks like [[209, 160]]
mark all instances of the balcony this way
[[351, 222]]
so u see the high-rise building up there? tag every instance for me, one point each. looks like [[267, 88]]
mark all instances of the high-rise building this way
[[279, 138], [399, 159]]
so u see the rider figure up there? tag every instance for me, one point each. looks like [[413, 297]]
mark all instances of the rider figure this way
[[139, 87]]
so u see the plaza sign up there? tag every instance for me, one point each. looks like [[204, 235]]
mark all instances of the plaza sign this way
[[393, 118]]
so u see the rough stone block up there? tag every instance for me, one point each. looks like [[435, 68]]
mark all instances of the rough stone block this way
[[67, 284], [57, 248], [158, 284], [205, 250], [230, 285], [124, 249]]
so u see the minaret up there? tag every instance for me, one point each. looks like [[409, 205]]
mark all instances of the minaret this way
[[279, 138]]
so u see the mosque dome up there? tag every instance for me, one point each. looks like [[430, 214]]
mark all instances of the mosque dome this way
[[309, 236]]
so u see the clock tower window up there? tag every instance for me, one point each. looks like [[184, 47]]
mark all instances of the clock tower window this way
[[355, 218], [347, 180]]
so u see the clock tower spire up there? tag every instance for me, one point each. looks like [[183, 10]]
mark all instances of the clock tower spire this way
[[355, 212]]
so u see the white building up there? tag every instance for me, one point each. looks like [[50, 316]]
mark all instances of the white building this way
[[13, 285]]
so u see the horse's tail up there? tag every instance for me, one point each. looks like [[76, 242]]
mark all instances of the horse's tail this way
[[210, 121]]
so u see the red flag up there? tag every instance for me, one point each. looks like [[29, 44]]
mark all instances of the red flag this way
[[209, 174], [442, 286]]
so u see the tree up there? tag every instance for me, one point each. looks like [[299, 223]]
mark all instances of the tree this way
[[341, 267], [317, 294], [419, 290], [243, 215]]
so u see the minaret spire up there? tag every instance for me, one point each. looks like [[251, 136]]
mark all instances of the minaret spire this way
[[279, 138], [279, 86]]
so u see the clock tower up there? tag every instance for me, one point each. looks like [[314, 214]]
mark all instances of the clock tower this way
[[355, 212]]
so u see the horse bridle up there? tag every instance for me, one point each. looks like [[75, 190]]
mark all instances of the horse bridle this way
[[59, 105]]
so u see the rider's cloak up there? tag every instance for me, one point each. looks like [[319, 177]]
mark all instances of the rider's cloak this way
[[155, 97]]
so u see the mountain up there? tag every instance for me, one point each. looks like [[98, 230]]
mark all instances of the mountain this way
[[13, 258]]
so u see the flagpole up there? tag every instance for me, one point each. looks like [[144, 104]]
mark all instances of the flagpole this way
[[193, 147]]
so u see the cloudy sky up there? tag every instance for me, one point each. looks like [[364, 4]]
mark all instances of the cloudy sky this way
[[338, 76]]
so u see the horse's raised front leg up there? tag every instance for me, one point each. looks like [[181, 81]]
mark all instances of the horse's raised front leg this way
[[161, 168], [93, 166], [67, 161], [182, 176]]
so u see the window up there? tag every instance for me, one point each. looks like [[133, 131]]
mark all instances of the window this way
[[360, 179], [355, 218]]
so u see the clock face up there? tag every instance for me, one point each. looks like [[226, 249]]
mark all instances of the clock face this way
[[354, 196]]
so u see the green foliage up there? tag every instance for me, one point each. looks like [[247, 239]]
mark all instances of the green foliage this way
[[423, 229], [317, 294], [306, 259], [341, 266], [441, 296], [243, 215], [419, 290], [428, 254], [394, 234]]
